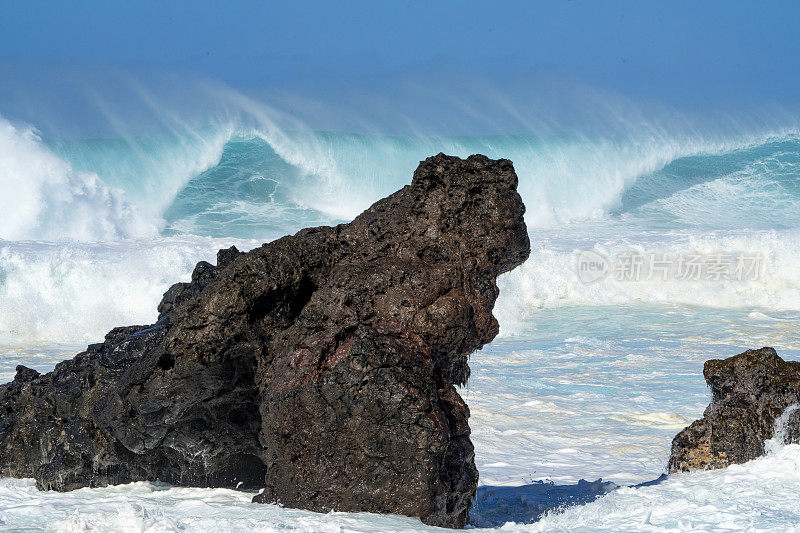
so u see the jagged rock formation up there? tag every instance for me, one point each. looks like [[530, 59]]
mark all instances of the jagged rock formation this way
[[320, 366], [750, 391]]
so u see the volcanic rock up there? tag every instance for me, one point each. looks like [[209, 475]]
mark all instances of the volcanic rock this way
[[320, 367], [749, 394]]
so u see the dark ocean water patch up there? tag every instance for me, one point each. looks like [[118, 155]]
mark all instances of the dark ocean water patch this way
[[494, 506]]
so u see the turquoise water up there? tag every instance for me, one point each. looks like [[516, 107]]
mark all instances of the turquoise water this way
[[588, 378], [224, 183]]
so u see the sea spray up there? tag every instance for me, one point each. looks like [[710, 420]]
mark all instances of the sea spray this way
[[43, 197], [73, 292], [253, 191], [151, 170], [781, 430]]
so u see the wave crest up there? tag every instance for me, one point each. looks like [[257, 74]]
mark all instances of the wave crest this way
[[43, 197]]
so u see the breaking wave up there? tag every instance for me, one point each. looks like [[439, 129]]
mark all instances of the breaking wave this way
[[130, 215]]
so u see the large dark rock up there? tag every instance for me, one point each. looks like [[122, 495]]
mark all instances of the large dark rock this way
[[749, 392], [320, 366]]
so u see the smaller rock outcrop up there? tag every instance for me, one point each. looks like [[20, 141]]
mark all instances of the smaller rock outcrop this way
[[750, 391]]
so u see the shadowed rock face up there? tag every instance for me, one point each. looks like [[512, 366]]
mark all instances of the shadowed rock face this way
[[749, 392], [320, 366]]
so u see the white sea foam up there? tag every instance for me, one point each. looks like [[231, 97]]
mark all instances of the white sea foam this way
[[549, 278], [73, 292], [588, 380], [756, 496], [42, 197], [557, 407], [778, 440]]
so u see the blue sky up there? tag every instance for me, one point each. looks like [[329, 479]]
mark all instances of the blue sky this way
[[669, 50]]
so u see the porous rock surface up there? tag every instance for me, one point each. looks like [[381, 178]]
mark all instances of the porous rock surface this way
[[319, 367], [750, 392]]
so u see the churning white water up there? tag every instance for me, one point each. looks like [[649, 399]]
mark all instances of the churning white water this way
[[590, 378]]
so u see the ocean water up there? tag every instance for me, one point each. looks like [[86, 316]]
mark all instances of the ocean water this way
[[653, 250]]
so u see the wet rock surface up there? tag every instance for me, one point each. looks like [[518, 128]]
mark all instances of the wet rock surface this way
[[319, 367], [750, 391]]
